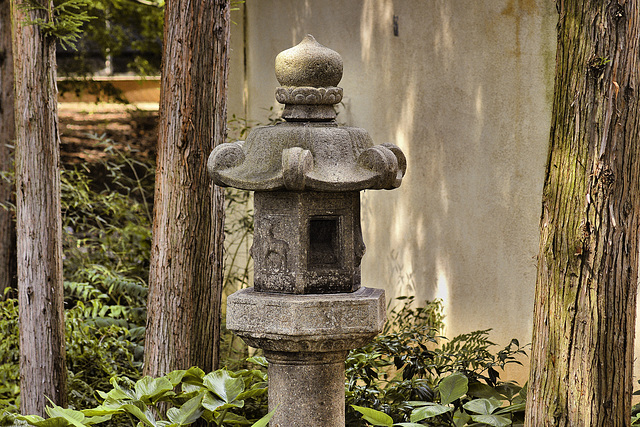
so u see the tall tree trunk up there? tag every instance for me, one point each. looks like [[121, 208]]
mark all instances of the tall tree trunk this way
[[39, 227], [183, 325], [7, 136], [584, 317]]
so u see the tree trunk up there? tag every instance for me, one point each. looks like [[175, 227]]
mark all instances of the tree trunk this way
[[39, 227], [7, 137], [584, 316], [183, 325]]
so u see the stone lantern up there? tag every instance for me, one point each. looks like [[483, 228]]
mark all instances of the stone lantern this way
[[307, 307]]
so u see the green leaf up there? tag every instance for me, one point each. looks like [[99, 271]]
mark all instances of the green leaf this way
[[188, 413], [461, 418], [73, 417], [481, 390], [258, 360], [453, 388], [262, 422], [520, 407], [223, 385], [175, 377], [211, 402], [483, 406], [374, 417], [492, 420], [194, 375], [100, 411], [50, 422], [429, 411], [151, 389], [145, 417], [409, 425]]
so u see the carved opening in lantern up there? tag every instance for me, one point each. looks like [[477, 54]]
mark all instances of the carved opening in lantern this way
[[324, 244]]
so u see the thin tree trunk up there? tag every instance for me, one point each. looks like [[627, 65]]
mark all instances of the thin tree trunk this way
[[584, 317], [7, 136], [183, 325], [39, 228]]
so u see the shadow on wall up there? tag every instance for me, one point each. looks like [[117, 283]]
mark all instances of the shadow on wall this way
[[464, 88]]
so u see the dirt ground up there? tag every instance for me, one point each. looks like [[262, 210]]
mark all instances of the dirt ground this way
[[132, 129]]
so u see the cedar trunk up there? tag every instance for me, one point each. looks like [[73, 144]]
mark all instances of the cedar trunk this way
[[185, 283], [39, 228], [584, 316], [7, 136]]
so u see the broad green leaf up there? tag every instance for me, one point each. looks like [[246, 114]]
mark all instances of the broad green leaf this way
[[483, 406], [73, 417], [429, 411], [100, 411], [150, 389], [30, 418], [258, 360], [374, 417], [452, 388], [409, 425], [512, 408], [190, 388], [461, 418], [492, 420], [223, 385], [262, 422], [418, 403], [233, 419], [253, 392], [145, 418], [211, 402], [175, 377], [34, 420], [194, 375], [188, 413], [481, 390]]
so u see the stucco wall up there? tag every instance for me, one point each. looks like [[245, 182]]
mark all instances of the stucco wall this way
[[465, 90]]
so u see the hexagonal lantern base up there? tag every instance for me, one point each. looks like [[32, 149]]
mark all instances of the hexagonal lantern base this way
[[307, 242], [306, 339]]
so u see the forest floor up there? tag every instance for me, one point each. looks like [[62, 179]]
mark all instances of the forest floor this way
[[131, 129]]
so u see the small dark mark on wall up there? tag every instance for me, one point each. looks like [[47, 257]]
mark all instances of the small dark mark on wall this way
[[395, 25]]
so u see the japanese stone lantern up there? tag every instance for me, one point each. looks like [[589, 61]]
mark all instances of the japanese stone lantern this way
[[307, 307]]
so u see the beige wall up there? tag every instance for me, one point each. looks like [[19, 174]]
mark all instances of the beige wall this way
[[465, 90]]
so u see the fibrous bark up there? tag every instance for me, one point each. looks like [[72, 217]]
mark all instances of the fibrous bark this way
[[39, 226], [7, 136], [584, 317], [183, 325]]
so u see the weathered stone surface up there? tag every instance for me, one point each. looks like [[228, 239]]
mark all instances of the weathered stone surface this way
[[306, 323], [306, 389], [309, 64], [344, 159], [307, 242]]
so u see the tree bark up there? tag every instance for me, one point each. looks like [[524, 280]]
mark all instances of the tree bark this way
[[584, 316], [183, 325], [7, 137], [39, 227]]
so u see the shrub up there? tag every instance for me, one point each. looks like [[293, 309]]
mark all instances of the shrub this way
[[401, 375]]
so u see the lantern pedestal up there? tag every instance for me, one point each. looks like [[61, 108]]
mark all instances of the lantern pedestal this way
[[306, 339]]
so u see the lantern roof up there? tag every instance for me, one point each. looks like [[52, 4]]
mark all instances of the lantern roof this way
[[309, 151]]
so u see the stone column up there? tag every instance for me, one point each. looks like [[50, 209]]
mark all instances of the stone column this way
[[306, 339]]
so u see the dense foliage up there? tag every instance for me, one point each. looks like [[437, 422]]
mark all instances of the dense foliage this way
[[410, 374]]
